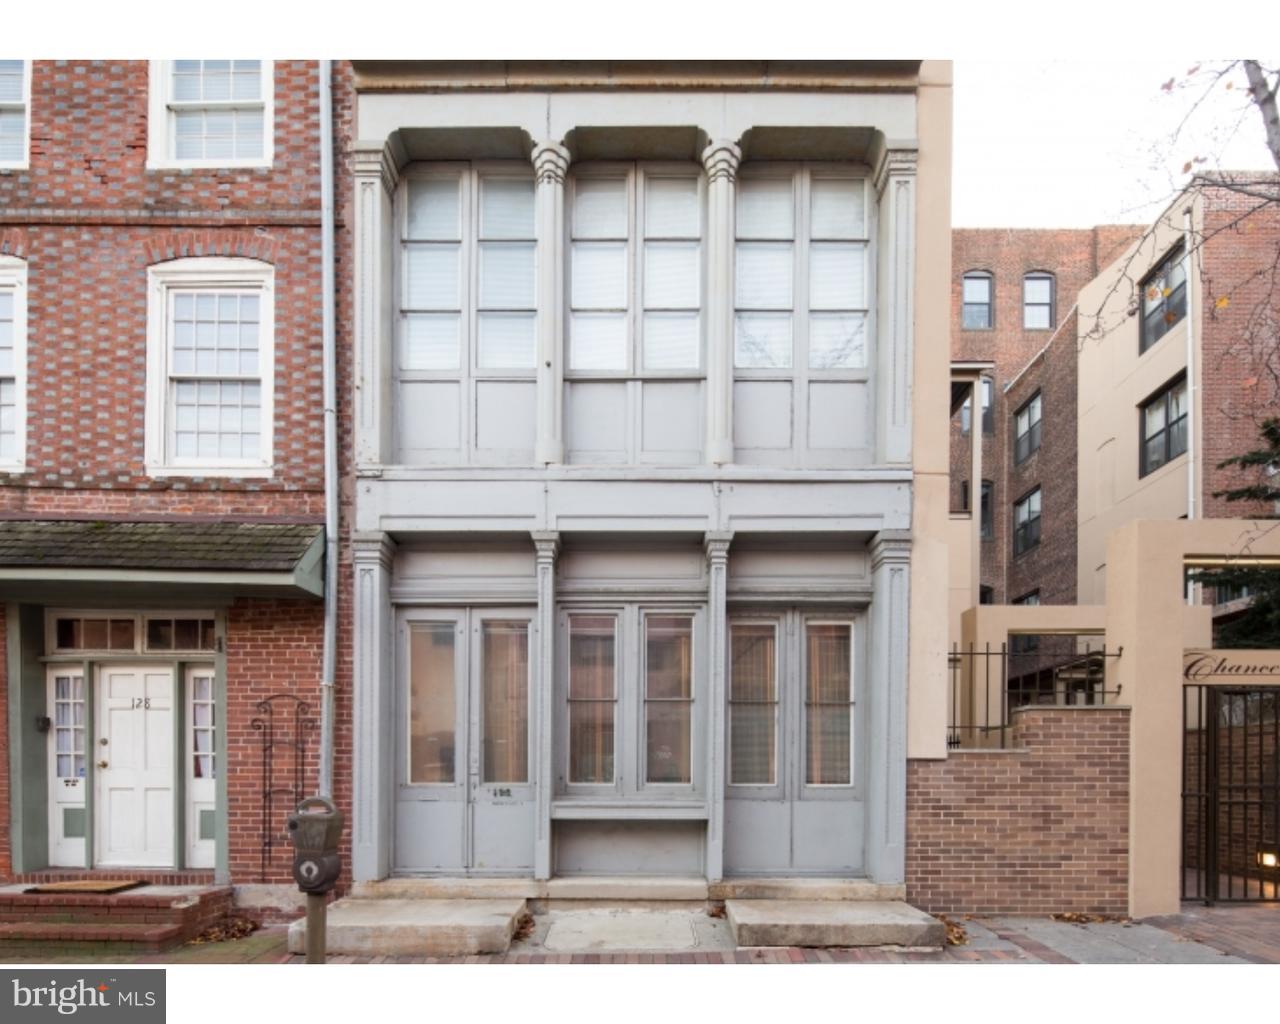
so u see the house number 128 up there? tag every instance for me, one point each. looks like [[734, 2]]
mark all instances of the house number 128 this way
[[142, 702]]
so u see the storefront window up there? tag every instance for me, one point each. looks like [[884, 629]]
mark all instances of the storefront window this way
[[504, 661], [753, 704], [828, 704], [592, 697], [668, 698]]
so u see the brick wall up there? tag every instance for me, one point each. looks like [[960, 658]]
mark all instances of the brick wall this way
[[90, 218], [1038, 829], [1050, 566], [1074, 257], [1241, 337]]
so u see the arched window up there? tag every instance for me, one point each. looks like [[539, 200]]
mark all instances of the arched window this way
[[1037, 301], [978, 301]]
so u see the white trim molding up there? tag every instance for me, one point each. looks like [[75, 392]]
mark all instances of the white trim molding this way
[[162, 106], [213, 273], [23, 104], [13, 281]]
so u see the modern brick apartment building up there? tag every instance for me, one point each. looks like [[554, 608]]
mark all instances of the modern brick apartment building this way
[[1013, 306], [162, 500]]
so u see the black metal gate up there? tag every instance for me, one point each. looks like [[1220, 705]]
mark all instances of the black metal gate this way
[[1231, 793]]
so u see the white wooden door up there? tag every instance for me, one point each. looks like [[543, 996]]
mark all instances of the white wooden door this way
[[133, 815]]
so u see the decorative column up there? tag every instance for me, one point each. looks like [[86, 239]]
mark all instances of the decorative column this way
[[721, 160], [376, 174], [886, 698], [550, 164], [374, 782], [717, 545], [546, 546], [895, 182]]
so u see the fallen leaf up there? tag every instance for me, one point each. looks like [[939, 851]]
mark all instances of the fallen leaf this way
[[1222, 303], [1168, 86]]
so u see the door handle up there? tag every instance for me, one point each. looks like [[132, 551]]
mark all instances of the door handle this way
[[102, 764]]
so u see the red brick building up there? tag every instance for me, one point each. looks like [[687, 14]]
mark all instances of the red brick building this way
[[1013, 305], [161, 438]]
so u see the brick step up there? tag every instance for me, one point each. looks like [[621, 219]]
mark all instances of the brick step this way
[[168, 915], [123, 936]]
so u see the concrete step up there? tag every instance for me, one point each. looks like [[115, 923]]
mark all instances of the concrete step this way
[[805, 889], [415, 927], [831, 923], [624, 888]]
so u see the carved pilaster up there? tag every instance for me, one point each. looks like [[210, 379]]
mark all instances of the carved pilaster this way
[[376, 174], [890, 552], [546, 547], [373, 783], [895, 182], [721, 159], [550, 164], [717, 547]]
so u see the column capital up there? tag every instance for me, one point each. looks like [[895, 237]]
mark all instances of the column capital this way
[[894, 163], [376, 160], [550, 163], [373, 547], [721, 159], [546, 544], [890, 546], [717, 544]]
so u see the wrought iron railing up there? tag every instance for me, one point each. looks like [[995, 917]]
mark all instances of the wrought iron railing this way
[[987, 684]]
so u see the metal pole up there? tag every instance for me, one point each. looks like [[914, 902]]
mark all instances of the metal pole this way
[[316, 914], [330, 396]]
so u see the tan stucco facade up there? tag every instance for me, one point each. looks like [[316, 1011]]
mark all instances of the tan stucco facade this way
[[1115, 378], [930, 525]]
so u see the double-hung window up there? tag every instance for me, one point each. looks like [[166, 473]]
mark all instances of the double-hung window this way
[[976, 300], [1037, 301], [465, 337], [211, 113], [1026, 429], [1025, 643], [13, 363], [1026, 522], [1164, 297], [1164, 427], [210, 359], [15, 109], [634, 313]]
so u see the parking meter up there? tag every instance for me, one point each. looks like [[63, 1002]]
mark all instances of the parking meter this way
[[316, 830]]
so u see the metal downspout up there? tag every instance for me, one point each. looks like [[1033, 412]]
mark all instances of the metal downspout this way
[[328, 655]]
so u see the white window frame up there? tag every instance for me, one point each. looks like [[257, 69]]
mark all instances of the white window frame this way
[[636, 174], [160, 134], [23, 162], [13, 278], [211, 272]]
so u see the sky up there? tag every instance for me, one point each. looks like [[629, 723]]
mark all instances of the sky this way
[[1055, 143]]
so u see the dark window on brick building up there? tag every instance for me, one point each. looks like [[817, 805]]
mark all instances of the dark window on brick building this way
[[1037, 301], [1024, 643], [976, 309], [1026, 429], [1164, 297], [1026, 522], [1162, 424], [986, 594], [988, 414], [987, 527]]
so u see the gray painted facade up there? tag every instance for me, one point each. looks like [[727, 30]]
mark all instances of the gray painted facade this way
[[719, 500]]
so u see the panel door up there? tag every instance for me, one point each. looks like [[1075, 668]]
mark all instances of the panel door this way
[[793, 799], [465, 785], [133, 813]]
